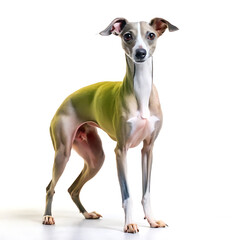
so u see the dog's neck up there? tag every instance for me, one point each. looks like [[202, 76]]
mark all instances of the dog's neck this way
[[138, 81]]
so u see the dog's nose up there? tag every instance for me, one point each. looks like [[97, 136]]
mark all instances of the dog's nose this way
[[140, 54]]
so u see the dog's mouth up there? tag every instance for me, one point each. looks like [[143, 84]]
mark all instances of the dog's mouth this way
[[139, 60]]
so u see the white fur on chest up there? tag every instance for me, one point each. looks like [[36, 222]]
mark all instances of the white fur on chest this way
[[141, 128], [143, 86]]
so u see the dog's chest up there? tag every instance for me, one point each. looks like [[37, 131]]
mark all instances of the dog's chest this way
[[140, 129]]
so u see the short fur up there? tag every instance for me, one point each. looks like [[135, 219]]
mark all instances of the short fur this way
[[128, 111]]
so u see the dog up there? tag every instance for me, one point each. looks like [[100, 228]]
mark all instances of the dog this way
[[128, 111]]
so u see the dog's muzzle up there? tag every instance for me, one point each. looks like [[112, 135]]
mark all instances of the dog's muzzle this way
[[140, 55]]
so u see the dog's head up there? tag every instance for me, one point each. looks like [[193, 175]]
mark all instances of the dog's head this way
[[138, 39]]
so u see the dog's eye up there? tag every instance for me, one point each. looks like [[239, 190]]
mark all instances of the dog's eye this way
[[127, 37], [151, 36]]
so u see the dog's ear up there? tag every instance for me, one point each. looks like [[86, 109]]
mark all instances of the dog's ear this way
[[160, 25], [115, 27]]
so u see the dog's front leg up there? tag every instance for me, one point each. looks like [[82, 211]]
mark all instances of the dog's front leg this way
[[146, 177], [121, 154]]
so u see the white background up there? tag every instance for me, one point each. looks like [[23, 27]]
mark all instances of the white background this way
[[48, 49]]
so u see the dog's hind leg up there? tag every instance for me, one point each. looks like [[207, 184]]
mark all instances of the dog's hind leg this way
[[88, 145], [62, 132]]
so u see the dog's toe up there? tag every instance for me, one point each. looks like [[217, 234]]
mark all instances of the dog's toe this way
[[131, 228], [48, 220]]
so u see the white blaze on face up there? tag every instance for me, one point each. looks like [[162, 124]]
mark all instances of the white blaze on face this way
[[139, 42]]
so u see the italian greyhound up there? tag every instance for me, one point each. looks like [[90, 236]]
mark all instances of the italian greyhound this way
[[128, 111]]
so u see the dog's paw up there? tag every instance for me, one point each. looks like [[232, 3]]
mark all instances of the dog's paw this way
[[131, 228], [158, 224], [48, 220], [92, 215]]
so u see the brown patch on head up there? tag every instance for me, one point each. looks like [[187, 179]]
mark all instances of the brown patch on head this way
[[160, 25]]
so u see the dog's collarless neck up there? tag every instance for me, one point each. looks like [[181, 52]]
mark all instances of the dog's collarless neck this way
[[139, 80]]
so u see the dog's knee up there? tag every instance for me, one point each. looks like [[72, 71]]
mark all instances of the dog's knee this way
[[50, 190], [62, 154]]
